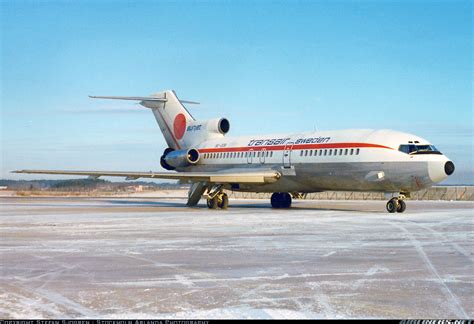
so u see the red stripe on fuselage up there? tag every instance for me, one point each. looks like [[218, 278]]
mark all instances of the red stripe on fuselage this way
[[294, 147]]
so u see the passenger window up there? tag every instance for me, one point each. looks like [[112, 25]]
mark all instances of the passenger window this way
[[357, 152], [352, 151], [301, 153], [345, 151], [310, 152], [330, 152], [325, 152], [271, 154]]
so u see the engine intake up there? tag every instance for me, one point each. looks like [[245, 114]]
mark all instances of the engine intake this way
[[172, 159], [223, 125]]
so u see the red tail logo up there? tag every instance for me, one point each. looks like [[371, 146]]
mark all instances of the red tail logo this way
[[179, 126]]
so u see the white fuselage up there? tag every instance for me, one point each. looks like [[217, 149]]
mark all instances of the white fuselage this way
[[364, 160]]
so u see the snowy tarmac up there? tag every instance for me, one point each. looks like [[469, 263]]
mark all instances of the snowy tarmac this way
[[143, 258]]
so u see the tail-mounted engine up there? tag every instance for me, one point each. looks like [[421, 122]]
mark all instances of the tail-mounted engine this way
[[205, 128], [220, 126], [172, 159]]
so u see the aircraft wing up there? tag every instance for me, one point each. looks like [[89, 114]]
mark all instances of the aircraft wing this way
[[246, 176]]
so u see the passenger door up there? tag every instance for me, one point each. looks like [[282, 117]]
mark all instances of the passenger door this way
[[287, 154]]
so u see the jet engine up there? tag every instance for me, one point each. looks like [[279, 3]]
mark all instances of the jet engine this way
[[172, 159], [220, 126], [213, 126]]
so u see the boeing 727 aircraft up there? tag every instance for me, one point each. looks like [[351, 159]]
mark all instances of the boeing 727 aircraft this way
[[287, 165]]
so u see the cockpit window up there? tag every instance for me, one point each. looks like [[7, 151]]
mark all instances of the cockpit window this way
[[418, 149]]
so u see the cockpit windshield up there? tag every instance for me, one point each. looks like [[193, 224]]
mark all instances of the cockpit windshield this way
[[418, 149]]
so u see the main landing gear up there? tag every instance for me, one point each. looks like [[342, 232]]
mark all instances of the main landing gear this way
[[217, 199], [396, 204], [281, 200]]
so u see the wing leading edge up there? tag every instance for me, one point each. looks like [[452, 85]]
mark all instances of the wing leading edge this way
[[249, 177]]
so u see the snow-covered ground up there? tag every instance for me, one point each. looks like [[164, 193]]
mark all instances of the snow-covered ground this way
[[141, 258]]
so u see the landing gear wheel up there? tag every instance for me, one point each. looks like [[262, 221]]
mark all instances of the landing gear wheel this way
[[392, 205], [223, 201], [281, 200], [286, 198], [401, 206], [275, 200], [212, 203]]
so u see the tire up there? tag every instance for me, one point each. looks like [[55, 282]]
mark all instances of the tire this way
[[401, 206], [392, 205], [223, 201], [285, 200], [212, 203], [276, 200]]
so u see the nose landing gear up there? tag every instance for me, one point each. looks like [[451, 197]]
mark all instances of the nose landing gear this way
[[396, 204]]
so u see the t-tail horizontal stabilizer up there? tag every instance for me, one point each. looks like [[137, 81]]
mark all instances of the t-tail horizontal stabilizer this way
[[141, 99]]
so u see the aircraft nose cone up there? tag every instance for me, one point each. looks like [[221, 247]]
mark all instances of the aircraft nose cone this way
[[449, 168], [436, 170]]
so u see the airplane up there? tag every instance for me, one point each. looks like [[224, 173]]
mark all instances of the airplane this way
[[286, 165]]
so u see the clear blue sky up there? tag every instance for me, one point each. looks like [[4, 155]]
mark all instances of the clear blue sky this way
[[269, 66]]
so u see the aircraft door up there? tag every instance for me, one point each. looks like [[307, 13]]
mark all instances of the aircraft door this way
[[287, 154], [249, 156], [262, 156]]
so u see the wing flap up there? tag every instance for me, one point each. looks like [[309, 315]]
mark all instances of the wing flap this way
[[250, 177]]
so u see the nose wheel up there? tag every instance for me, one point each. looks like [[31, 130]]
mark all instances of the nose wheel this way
[[396, 205]]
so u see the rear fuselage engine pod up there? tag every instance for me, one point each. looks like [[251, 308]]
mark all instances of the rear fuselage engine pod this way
[[181, 158], [163, 163], [217, 126]]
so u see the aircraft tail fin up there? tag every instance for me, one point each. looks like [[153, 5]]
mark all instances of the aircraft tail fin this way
[[169, 112]]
